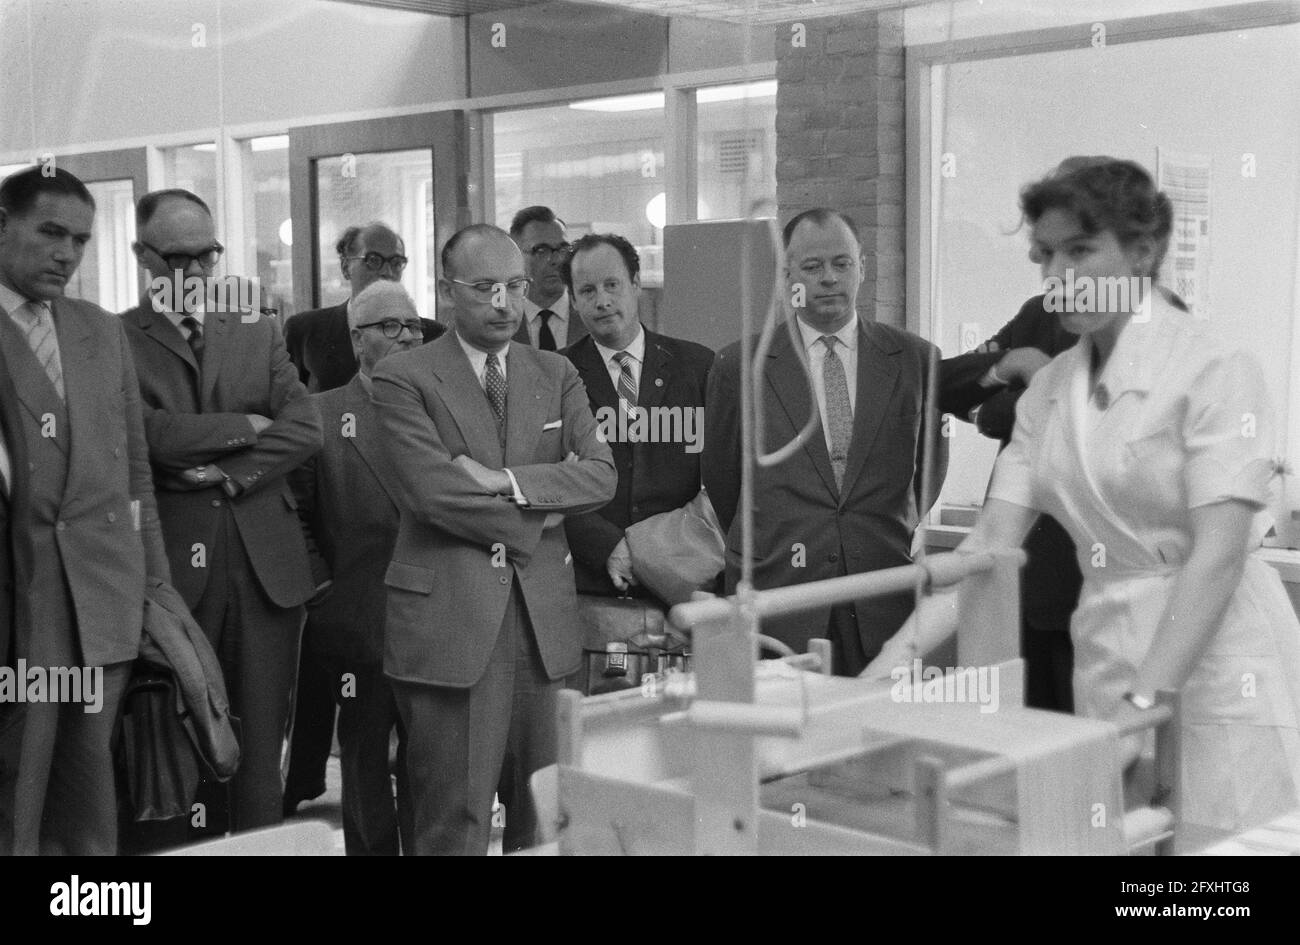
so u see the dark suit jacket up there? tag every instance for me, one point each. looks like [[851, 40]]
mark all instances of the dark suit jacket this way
[[15, 538], [652, 477], [320, 346], [89, 464], [577, 330], [351, 521], [458, 550], [191, 421], [804, 529]]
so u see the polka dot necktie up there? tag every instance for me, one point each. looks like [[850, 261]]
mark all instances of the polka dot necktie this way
[[494, 382], [839, 415]]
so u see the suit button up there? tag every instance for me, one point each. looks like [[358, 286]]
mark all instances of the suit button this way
[[112, 516], [503, 579], [117, 451], [832, 557], [60, 526], [216, 503]]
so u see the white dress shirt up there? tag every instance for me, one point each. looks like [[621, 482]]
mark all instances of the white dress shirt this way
[[637, 352], [162, 308], [478, 361], [847, 351], [559, 324]]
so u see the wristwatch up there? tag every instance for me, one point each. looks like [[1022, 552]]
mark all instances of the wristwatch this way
[[1139, 702]]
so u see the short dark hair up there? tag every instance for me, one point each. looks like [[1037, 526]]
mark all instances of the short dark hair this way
[[537, 214], [820, 216], [21, 189], [1105, 194], [348, 241], [631, 258], [148, 204], [474, 229]]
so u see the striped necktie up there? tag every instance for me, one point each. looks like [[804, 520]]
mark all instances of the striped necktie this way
[[626, 385], [839, 415], [44, 342]]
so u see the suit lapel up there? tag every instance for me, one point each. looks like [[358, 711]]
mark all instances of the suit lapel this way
[[357, 402], [786, 377], [656, 372], [31, 383], [217, 338], [595, 374], [877, 379], [80, 375], [525, 409], [155, 325], [468, 404]]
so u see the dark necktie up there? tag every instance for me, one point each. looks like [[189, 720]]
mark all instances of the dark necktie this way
[[545, 340], [196, 337]]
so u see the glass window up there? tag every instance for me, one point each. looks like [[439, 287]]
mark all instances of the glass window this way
[[392, 187], [599, 164], [192, 167], [268, 230], [108, 274], [736, 148]]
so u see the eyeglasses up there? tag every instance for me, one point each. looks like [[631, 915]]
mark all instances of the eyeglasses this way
[[515, 288], [377, 261], [814, 268], [392, 328], [181, 261], [543, 249]]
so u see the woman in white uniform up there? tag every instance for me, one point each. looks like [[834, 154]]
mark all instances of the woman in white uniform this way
[[1151, 441]]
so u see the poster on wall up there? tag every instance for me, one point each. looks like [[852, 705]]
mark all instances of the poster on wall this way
[[1186, 179]]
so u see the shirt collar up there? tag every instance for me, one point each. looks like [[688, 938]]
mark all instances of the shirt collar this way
[[161, 307], [560, 307], [478, 358], [848, 334], [636, 348], [11, 301], [1141, 349]]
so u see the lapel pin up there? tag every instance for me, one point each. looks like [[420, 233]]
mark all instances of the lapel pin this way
[[659, 382]]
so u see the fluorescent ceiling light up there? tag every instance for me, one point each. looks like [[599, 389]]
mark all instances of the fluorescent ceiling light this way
[[269, 143], [209, 146], [732, 93], [622, 103]]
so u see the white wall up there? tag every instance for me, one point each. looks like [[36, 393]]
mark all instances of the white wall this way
[[127, 70], [1009, 120]]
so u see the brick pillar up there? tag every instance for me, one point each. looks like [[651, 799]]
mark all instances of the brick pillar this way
[[839, 139]]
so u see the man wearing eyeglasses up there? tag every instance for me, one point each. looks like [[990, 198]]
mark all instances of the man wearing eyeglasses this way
[[490, 443], [226, 419], [351, 517], [319, 341], [547, 321]]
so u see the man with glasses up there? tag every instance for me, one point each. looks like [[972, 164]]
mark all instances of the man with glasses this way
[[351, 519], [490, 444], [321, 347], [547, 320], [319, 340], [226, 419]]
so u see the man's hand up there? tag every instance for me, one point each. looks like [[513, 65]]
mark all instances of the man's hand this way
[[258, 422], [200, 477], [1021, 364], [491, 481], [619, 566]]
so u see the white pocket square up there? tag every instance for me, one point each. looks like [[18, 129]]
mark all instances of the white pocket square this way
[[553, 425]]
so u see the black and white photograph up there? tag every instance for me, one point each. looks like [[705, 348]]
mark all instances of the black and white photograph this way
[[650, 427]]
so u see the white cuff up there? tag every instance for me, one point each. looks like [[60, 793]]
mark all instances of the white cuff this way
[[517, 497]]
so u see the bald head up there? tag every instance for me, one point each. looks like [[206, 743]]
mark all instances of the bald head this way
[[381, 309], [483, 282], [381, 300]]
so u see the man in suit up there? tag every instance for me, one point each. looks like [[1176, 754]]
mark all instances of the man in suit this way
[[489, 443], [73, 418], [623, 365], [547, 322], [850, 499], [351, 520], [321, 347], [319, 340], [226, 419]]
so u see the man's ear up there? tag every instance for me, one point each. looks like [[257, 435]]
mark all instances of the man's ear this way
[[343, 266]]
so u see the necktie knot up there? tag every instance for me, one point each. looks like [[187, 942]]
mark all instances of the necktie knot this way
[[829, 342], [195, 338]]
